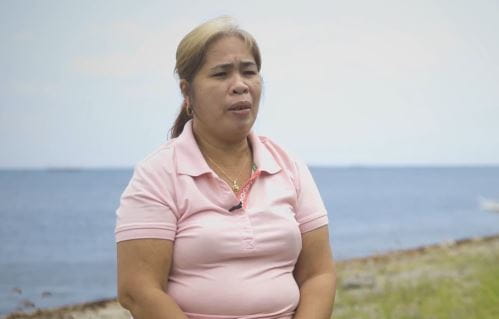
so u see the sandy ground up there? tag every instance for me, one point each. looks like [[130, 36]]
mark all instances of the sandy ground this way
[[352, 274], [104, 309]]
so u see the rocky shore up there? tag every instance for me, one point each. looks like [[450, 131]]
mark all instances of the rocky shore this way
[[366, 285]]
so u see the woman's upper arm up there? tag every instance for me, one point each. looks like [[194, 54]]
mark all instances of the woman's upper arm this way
[[315, 257], [142, 264], [310, 211]]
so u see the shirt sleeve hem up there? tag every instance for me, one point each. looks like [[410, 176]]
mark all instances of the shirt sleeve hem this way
[[128, 232], [314, 223]]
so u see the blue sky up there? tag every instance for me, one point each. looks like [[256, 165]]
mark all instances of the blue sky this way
[[91, 83]]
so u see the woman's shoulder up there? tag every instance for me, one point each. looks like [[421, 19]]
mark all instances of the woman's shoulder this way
[[274, 147], [160, 158], [286, 158]]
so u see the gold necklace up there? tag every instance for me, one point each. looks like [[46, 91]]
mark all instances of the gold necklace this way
[[235, 186]]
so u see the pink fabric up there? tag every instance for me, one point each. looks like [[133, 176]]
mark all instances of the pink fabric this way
[[243, 193], [226, 265]]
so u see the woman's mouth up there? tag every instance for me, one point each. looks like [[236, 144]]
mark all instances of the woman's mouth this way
[[241, 105], [240, 108]]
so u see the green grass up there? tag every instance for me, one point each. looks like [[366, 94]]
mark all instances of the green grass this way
[[449, 286], [486, 294]]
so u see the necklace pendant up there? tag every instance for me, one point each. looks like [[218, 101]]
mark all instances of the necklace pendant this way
[[235, 187]]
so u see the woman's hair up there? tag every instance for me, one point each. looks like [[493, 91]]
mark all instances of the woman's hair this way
[[191, 53]]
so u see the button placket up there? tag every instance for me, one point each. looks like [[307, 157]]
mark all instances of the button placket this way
[[247, 231]]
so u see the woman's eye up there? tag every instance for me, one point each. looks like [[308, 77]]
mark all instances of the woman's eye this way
[[220, 74]]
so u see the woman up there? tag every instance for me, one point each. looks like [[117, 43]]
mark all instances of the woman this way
[[219, 222]]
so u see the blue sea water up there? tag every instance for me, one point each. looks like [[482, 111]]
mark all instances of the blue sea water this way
[[56, 227]]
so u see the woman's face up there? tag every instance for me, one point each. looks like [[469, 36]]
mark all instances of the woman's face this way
[[225, 93]]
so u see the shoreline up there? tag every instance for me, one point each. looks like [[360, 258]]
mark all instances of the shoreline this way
[[351, 276], [419, 249]]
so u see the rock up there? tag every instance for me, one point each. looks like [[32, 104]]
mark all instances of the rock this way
[[46, 294], [447, 243], [26, 303], [16, 290], [358, 282]]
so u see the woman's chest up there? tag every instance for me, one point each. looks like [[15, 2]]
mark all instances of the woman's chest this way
[[208, 233]]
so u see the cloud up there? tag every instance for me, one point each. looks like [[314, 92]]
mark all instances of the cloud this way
[[40, 89], [136, 50], [326, 48]]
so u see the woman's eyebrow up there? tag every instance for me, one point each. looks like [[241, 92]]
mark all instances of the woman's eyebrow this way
[[245, 64], [225, 66], [222, 66]]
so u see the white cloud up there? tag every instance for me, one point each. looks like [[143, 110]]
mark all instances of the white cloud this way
[[34, 89], [136, 50], [356, 81]]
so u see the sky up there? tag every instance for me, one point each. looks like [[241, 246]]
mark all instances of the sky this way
[[355, 82]]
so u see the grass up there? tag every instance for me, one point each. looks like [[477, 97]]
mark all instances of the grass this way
[[457, 282]]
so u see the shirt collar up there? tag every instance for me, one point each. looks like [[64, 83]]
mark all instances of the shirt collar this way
[[190, 160], [264, 160]]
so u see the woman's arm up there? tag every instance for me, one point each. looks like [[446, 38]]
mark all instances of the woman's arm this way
[[143, 269], [315, 274]]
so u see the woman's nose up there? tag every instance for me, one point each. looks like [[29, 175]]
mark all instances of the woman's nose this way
[[240, 87]]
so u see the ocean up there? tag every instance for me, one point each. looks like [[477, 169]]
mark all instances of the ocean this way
[[57, 226]]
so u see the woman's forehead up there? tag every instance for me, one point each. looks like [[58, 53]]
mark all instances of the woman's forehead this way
[[228, 50]]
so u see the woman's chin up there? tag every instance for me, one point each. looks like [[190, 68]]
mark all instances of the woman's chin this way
[[236, 130], [244, 126]]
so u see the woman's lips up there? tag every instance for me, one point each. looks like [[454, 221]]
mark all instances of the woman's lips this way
[[240, 109], [240, 106]]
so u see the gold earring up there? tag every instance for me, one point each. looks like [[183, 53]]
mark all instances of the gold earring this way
[[188, 110]]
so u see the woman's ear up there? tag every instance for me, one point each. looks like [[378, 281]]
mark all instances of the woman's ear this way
[[184, 89]]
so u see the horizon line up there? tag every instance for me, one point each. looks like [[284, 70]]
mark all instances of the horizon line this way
[[348, 166]]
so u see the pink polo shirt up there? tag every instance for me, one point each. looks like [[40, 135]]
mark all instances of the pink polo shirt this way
[[226, 264]]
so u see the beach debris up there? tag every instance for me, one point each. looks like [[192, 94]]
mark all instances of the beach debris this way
[[447, 243], [358, 282], [489, 204], [26, 303], [46, 294], [16, 290]]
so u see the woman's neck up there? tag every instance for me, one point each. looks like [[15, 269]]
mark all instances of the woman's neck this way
[[226, 153]]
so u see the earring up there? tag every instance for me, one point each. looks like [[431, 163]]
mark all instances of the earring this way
[[188, 110]]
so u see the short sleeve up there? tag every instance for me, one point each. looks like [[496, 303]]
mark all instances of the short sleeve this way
[[310, 210], [145, 209]]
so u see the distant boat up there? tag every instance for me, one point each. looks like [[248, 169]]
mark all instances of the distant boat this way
[[489, 205]]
